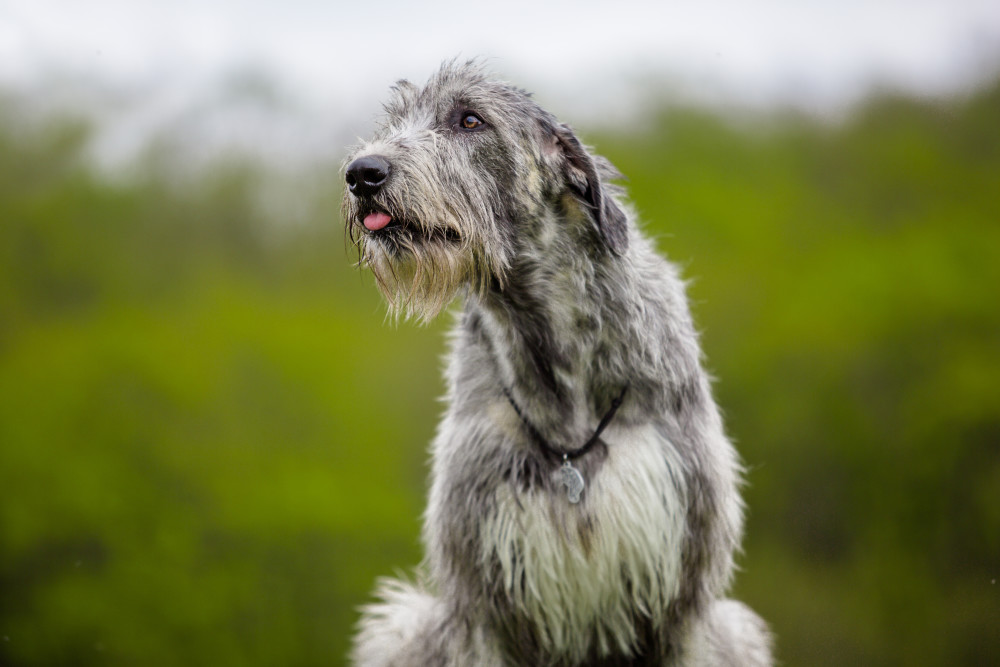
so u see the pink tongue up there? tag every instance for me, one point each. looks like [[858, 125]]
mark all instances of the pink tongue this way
[[377, 220]]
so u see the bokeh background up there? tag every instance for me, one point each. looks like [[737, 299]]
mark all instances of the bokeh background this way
[[212, 442]]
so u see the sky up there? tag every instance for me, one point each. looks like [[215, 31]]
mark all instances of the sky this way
[[310, 72]]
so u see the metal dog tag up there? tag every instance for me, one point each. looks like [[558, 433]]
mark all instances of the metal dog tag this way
[[572, 480]]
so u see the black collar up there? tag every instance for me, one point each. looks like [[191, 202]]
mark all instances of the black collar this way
[[574, 453]]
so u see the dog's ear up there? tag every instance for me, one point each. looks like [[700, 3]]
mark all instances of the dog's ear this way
[[583, 174]]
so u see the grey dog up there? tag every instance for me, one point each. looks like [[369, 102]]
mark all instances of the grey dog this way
[[584, 505]]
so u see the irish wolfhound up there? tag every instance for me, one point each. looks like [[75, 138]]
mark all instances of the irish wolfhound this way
[[584, 507]]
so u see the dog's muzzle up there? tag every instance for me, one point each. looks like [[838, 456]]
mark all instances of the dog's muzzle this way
[[365, 177]]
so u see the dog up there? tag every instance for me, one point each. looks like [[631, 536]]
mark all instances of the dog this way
[[584, 506]]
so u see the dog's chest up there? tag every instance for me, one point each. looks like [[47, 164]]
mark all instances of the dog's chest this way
[[589, 569]]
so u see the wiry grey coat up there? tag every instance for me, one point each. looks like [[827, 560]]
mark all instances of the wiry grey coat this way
[[566, 305]]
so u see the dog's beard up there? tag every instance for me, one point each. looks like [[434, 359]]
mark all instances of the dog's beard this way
[[417, 275], [420, 267]]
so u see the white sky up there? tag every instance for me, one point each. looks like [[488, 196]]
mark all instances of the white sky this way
[[585, 59]]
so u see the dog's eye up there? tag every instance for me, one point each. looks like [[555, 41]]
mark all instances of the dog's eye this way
[[471, 121]]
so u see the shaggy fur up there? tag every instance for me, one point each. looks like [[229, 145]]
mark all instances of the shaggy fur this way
[[566, 304]]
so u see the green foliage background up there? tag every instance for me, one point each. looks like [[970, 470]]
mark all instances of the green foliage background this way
[[211, 443]]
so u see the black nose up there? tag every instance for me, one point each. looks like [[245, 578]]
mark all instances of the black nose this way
[[366, 175]]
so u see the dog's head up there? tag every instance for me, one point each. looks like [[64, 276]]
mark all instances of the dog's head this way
[[462, 177]]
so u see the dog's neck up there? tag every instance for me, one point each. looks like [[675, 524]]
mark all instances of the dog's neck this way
[[547, 326]]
